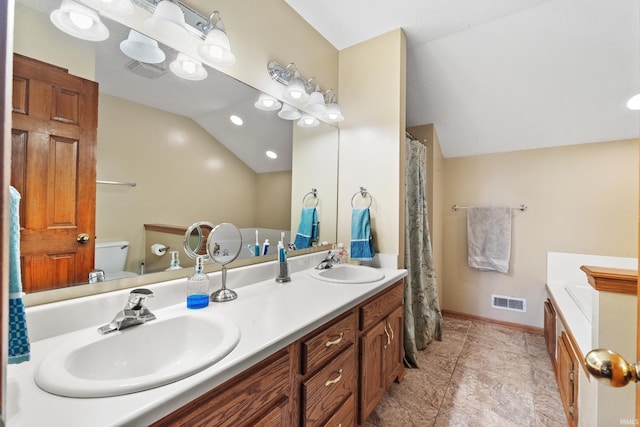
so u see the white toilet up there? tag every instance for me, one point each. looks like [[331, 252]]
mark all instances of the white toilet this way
[[111, 257]]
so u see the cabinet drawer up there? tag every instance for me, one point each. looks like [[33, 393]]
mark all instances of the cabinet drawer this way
[[345, 416], [327, 343], [323, 393], [376, 309]]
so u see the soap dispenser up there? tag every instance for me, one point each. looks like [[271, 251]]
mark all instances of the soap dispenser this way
[[198, 287], [175, 261]]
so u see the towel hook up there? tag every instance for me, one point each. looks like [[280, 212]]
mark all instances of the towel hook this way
[[313, 193], [363, 193]]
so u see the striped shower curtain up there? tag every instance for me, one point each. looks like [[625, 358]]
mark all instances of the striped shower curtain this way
[[422, 310]]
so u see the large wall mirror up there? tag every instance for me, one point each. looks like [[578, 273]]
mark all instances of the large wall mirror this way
[[174, 140]]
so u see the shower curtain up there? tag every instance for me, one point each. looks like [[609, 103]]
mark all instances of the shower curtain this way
[[422, 310]]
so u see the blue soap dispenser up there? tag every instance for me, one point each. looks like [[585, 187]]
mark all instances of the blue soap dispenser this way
[[198, 287]]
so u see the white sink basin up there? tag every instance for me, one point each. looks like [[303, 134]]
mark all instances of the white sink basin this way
[[176, 345], [347, 273]]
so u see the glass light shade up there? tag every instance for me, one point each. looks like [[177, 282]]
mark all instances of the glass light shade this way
[[79, 21], [117, 7], [296, 91], [308, 121], [188, 68], [142, 48], [267, 103], [167, 23], [216, 49], [634, 102], [316, 103], [289, 113], [333, 113]]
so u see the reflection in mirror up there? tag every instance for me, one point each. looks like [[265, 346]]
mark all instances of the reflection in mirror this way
[[223, 246], [154, 138], [195, 240]]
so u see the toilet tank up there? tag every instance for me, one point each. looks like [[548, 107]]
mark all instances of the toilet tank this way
[[111, 256]]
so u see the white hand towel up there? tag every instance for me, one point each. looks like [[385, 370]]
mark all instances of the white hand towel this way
[[489, 238]]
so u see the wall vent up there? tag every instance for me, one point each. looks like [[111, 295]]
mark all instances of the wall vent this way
[[509, 303]]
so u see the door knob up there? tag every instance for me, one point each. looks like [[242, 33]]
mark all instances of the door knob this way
[[611, 368], [83, 238]]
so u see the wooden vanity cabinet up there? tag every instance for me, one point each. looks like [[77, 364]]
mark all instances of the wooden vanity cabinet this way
[[381, 347], [334, 376], [550, 329]]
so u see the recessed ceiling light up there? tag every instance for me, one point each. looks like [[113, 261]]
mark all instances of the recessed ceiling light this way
[[236, 120], [271, 155]]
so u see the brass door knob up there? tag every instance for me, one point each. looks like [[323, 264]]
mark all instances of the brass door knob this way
[[611, 368], [83, 238]]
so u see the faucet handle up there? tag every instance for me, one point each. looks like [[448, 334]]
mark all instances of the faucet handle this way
[[137, 298]]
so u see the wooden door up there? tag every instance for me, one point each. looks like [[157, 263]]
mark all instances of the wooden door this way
[[393, 350], [372, 376], [53, 166]]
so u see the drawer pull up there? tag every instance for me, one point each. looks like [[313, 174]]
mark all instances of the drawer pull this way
[[390, 329], [388, 338], [335, 380], [336, 341]]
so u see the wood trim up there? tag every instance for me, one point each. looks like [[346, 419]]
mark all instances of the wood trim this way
[[572, 339], [518, 326], [617, 280], [164, 228]]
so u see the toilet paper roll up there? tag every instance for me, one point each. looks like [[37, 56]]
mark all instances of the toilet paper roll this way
[[159, 249]]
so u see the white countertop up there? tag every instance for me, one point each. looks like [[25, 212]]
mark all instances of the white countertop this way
[[270, 316]]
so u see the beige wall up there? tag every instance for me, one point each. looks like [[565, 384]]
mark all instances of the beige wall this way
[[581, 199], [141, 151], [273, 200], [372, 99], [435, 195]]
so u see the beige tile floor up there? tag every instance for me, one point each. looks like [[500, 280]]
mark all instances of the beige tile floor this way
[[479, 375]]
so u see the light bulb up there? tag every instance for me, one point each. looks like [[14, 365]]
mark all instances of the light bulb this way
[[80, 20]]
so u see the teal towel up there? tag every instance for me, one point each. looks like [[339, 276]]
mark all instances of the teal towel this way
[[19, 348], [308, 228], [361, 241]]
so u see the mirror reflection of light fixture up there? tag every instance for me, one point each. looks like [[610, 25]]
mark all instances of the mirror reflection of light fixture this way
[[236, 120], [167, 23], [289, 113], [272, 155], [79, 21], [117, 7], [267, 103], [332, 112], [308, 121], [188, 68], [216, 48], [634, 102], [142, 48]]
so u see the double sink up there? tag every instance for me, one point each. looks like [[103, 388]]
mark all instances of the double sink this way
[[178, 344]]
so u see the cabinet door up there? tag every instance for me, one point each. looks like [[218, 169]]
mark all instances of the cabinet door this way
[[550, 329], [393, 348], [372, 373], [567, 381]]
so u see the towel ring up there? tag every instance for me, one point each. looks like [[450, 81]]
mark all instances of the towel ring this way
[[364, 193], [313, 193]]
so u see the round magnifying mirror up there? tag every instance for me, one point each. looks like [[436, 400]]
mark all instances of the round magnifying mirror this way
[[195, 239], [223, 246]]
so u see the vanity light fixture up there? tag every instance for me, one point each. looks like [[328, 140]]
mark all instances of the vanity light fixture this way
[[216, 48], [267, 103], [167, 23], [634, 102], [236, 120], [308, 121], [142, 48], [272, 155], [316, 99], [117, 7], [289, 113], [188, 68], [79, 21]]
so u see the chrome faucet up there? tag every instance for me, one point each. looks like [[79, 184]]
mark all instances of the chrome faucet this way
[[328, 261], [134, 312]]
